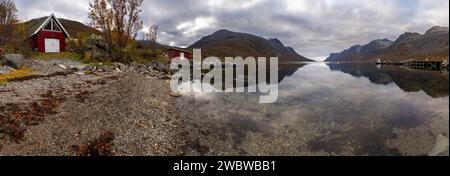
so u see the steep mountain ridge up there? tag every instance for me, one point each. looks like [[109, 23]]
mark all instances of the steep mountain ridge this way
[[225, 43], [433, 45]]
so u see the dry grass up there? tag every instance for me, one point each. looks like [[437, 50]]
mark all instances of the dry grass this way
[[15, 74]]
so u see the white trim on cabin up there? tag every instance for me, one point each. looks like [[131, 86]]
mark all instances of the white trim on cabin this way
[[46, 21]]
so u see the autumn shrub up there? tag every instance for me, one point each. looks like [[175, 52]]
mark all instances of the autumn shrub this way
[[92, 49], [121, 55], [17, 41], [73, 45]]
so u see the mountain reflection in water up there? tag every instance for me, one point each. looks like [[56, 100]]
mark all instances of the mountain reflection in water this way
[[326, 109], [434, 83]]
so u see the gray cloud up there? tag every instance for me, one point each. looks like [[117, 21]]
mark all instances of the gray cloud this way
[[313, 27]]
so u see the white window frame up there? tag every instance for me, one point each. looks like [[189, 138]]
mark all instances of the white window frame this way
[[52, 23]]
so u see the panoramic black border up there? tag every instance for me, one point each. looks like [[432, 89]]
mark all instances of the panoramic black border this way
[[285, 165]]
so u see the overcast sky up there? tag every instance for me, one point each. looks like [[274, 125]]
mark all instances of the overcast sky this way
[[314, 28]]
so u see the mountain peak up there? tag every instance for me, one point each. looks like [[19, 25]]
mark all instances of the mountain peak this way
[[356, 47], [225, 43], [222, 31], [380, 43], [408, 36], [276, 41], [383, 40]]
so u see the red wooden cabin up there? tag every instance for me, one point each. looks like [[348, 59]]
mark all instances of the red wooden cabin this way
[[173, 53], [48, 35]]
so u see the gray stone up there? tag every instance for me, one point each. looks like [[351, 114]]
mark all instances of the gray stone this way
[[120, 66], [440, 146], [163, 76], [80, 73], [62, 66], [5, 69], [77, 67], [175, 94], [97, 50], [118, 70], [13, 60], [89, 68], [108, 68], [163, 67], [153, 65]]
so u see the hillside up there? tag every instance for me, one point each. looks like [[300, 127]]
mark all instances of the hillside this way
[[431, 45], [74, 28], [224, 43]]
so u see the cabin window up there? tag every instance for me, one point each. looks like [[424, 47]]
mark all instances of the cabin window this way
[[48, 26], [52, 25], [56, 27]]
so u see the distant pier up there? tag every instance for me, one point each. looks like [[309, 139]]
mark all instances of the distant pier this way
[[422, 65], [426, 65]]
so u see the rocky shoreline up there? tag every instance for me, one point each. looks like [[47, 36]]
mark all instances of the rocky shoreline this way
[[68, 108]]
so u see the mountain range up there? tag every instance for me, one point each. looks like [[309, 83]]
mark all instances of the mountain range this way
[[433, 45], [225, 43]]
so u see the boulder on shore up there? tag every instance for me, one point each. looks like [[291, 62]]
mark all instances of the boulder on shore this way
[[13, 60], [5, 69], [440, 146], [97, 50]]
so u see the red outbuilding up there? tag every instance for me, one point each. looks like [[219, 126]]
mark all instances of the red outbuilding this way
[[173, 53], [48, 35]]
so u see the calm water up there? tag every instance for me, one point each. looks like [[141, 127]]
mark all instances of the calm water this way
[[326, 109]]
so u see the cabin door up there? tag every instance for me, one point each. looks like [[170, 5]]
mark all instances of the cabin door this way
[[52, 45]]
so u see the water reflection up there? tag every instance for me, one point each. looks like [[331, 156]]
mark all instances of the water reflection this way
[[434, 83], [326, 110], [287, 70]]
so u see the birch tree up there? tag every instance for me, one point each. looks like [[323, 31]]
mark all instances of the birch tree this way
[[8, 18], [119, 20]]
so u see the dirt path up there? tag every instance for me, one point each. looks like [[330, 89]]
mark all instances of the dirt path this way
[[108, 114]]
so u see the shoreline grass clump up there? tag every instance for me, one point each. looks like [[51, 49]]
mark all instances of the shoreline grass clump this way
[[15, 74]]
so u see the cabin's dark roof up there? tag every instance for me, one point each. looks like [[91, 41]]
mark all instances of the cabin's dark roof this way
[[34, 24]]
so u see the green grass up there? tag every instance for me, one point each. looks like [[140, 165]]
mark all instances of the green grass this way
[[139, 56], [69, 55]]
